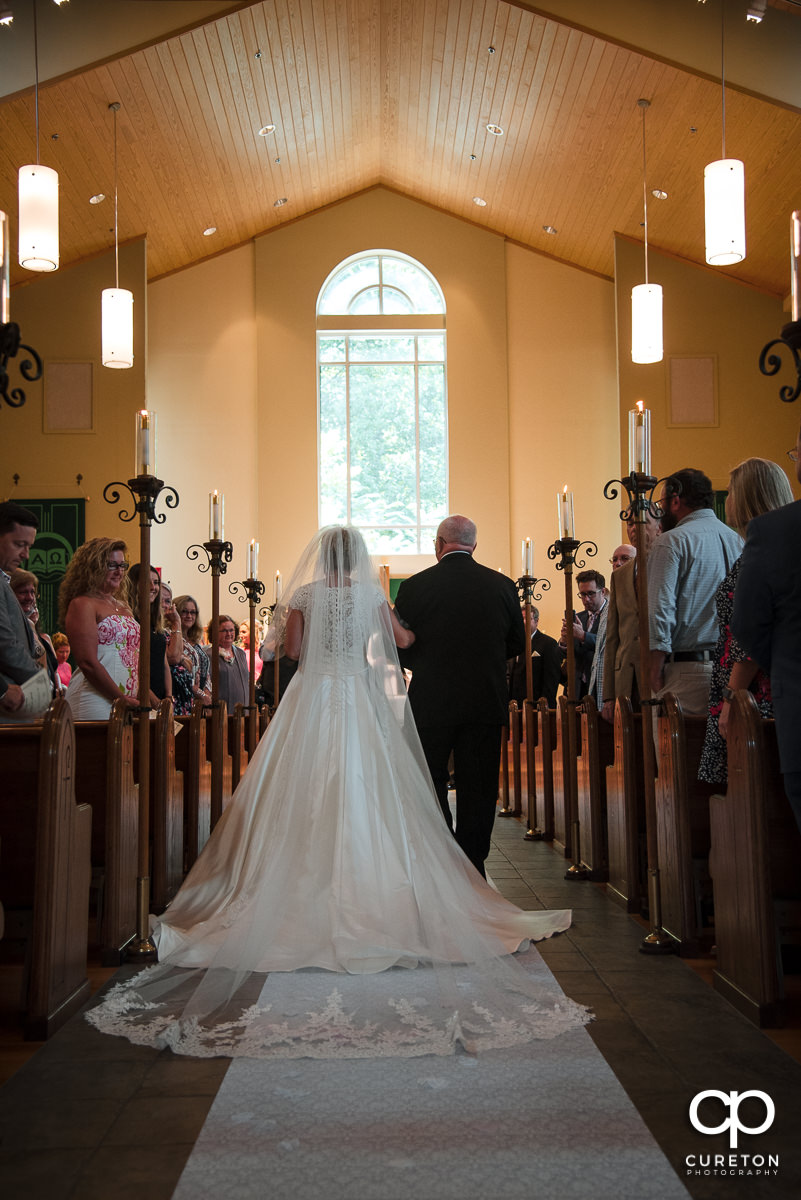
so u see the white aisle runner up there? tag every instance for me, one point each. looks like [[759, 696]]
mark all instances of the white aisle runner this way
[[541, 1121]]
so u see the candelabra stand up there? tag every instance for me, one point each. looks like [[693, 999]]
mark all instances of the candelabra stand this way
[[144, 491], [218, 555], [10, 344], [640, 491], [565, 551], [769, 363], [253, 591], [525, 586]]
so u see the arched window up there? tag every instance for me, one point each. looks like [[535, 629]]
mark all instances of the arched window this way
[[383, 450]]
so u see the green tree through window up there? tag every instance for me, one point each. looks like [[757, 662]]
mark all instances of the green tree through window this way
[[382, 402]]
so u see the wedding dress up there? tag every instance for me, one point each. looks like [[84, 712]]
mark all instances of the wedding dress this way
[[333, 857]]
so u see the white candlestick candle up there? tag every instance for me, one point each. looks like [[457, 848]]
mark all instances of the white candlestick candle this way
[[640, 440], [795, 263], [145, 442], [565, 511], [278, 587], [253, 559], [216, 516], [527, 556]]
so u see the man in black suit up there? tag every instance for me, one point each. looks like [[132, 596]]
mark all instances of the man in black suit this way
[[466, 620], [17, 664], [592, 593], [767, 623], [546, 667]]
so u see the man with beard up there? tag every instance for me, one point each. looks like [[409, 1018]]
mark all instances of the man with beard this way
[[685, 566]]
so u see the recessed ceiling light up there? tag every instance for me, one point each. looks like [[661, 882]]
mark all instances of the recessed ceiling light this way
[[479, 201], [265, 129], [98, 198], [280, 203], [210, 230], [495, 130], [659, 194], [549, 229]]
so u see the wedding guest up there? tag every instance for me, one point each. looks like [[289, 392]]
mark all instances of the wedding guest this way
[[234, 676], [756, 486], [195, 661], [160, 678], [102, 630], [18, 528], [61, 646], [25, 586], [180, 672]]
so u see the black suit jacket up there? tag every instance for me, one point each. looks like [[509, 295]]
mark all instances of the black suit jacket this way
[[585, 652], [467, 623], [546, 664], [767, 617]]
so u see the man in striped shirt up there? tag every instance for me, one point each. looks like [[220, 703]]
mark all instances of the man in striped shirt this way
[[686, 565]]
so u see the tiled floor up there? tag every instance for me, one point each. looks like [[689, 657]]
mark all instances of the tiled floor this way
[[90, 1116]]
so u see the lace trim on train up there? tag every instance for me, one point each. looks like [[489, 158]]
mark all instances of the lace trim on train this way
[[331, 1031]]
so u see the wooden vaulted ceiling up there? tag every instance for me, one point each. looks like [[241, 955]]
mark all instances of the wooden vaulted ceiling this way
[[399, 93]]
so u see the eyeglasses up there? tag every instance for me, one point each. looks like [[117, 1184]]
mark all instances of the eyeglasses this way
[[792, 455], [116, 566], [621, 558], [188, 612], [588, 595]]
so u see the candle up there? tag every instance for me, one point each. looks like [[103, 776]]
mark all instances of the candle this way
[[565, 509], [216, 516], [253, 560], [385, 579], [528, 553], [145, 442], [278, 587], [5, 270], [795, 255], [640, 440]]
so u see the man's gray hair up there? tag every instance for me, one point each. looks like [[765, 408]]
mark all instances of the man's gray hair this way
[[458, 531]]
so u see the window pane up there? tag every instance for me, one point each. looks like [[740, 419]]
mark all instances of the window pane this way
[[332, 349], [352, 278], [333, 446], [383, 467], [431, 347], [433, 444], [381, 348], [395, 301], [390, 541], [367, 302], [414, 282]]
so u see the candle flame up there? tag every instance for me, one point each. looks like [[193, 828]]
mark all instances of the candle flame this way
[[640, 406], [564, 490]]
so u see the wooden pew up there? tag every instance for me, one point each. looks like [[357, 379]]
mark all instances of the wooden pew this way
[[166, 811], [625, 811], [104, 778], [192, 761], [237, 744], [682, 806], [597, 749], [756, 849], [511, 776], [46, 866], [220, 759], [543, 763], [561, 768]]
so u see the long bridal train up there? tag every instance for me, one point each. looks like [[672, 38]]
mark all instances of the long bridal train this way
[[329, 875]]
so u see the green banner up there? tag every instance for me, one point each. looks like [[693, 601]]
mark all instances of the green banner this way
[[62, 528]]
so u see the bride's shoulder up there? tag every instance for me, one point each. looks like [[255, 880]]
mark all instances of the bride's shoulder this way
[[301, 597]]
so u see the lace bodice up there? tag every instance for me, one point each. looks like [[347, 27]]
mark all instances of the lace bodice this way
[[338, 624]]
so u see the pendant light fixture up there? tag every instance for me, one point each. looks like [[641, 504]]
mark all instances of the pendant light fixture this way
[[646, 298], [117, 306], [38, 197], [724, 191]]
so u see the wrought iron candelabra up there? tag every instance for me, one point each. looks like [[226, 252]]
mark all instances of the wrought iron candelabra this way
[[565, 552], [253, 590], [29, 368], [640, 493], [769, 364], [218, 555], [144, 491]]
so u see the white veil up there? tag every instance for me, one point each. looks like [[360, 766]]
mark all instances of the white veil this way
[[420, 901]]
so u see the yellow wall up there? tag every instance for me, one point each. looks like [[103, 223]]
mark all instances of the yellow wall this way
[[59, 315], [563, 412], [705, 314]]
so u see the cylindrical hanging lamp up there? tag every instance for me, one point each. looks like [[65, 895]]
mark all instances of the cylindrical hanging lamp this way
[[646, 323], [117, 314], [117, 302], [724, 191], [38, 218]]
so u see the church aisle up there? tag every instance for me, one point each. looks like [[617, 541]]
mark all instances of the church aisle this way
[[90, 1116]]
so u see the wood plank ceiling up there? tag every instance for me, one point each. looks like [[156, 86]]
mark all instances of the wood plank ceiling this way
[[400, 93]]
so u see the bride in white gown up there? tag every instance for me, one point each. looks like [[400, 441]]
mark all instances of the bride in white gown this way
[[333, 856]]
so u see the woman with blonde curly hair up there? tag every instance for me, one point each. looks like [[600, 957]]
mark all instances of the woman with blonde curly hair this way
[[756, 486], [101, 628]]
